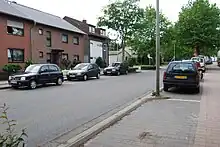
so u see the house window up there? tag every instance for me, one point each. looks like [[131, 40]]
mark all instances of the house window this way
[[91, 29], [48, 57], [76, 57], [48, 39], [15, 55], [15, 28], [41, 54], [102, 32], [65, 56], [76, 40], [64, 38], [40, 31]]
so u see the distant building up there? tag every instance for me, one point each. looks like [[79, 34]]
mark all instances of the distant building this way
[[97, 42], [30, 34], [116, 56]]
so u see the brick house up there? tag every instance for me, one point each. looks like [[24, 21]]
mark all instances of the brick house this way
[[30, 34], [96, 42]]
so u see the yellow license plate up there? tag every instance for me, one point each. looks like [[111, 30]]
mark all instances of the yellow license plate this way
[[181, 77]]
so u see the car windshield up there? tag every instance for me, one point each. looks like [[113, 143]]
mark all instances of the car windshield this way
[[195, 59], [115, 64], [32, 69], [181, 67], [81, 66]]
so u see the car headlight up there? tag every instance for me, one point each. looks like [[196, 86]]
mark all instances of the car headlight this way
[[9, 78], [23, 78], [114, 69]]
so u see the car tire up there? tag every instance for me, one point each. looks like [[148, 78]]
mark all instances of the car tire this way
[[165, 87], [126, 72], [59, 81], [14, 87], [197, 90], [118, 73], [98, 76], [32, 84], [85, 78]]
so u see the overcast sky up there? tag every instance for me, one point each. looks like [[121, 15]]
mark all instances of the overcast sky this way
[[91, 9]]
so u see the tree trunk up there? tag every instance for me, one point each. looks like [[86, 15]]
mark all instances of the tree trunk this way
[[196, 50]]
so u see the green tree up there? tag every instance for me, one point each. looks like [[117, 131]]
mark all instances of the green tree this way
[[143, 38], [121, 16], [197, 27]]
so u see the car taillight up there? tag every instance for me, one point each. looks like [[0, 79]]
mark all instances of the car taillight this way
[[164, 75]]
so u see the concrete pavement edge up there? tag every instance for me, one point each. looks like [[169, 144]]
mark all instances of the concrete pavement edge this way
[[80, 139]]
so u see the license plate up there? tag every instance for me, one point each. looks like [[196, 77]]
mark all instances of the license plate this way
[[108, 72], [72, 76], [14, 82], [181, 77]]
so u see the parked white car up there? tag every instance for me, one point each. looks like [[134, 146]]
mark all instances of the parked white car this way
[[201, 61]]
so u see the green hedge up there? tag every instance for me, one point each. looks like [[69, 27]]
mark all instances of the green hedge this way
[[132, 69], [148, 67]]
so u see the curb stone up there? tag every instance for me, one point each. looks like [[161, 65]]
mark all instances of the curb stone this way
[[88, 134]]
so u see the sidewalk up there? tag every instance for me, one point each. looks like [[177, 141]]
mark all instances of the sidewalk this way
[[186, 120], [4, 85]]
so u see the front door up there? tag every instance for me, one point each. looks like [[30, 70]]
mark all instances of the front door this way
[[44, 75], [91, 71], [55, 57]]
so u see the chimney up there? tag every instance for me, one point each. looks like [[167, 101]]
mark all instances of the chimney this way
[[84, 21]]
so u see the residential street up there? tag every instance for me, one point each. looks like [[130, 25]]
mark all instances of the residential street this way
[[50, 111]]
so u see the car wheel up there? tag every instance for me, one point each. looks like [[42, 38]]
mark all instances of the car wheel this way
[[126, 72], [118, 73], [33, 84], [14, 87], [85, 77], [98, 76], [165, 88], [197, 90], [59, 81]]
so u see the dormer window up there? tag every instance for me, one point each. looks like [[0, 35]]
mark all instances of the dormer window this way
[[91, 29], [103, 32]]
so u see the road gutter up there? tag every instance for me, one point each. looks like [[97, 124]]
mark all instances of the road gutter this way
[[80, 139]]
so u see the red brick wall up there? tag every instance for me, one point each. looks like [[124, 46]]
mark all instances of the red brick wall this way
[[10, 41], [39, 43]]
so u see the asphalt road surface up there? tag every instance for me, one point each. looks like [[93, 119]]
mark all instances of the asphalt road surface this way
[[50, 111]]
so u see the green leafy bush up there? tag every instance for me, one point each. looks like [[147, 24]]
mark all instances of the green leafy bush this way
[[148, 67], [132, 62], [9, 138], [11, 68], [100, 62], [28, 63], [132, 69], [65, 63]]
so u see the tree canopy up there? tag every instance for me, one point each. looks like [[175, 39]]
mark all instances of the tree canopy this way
[[197, 28]]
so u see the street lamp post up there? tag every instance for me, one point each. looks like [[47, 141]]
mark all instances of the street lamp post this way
[[157, 48]]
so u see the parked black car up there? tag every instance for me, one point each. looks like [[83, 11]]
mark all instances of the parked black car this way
[[183, 74], [209, 61], [83, 71], [37, 74], [116, 68]]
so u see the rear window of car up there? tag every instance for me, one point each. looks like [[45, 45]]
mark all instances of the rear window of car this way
[[181, 67]]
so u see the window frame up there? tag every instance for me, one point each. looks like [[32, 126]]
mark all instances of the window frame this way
[[42, 31], [65, 54], [77, 39], [41, 54], [12, 60], [50, 70], [45, 70], [91, 29], [67, 39], [48, 55], [48, 38], [15, 34]]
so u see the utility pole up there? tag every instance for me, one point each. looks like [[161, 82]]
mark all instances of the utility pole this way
[[157, 48]]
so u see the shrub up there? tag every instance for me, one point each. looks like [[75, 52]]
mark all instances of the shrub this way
[[11, 68], [148, 67], [65, 63], [74, 63], [132, 62], [9, 138], [27, 63], [99, 61], [132, 69]]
